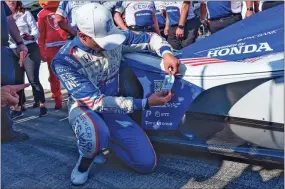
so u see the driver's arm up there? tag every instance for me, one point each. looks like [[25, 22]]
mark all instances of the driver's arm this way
[[87, 94], [145, 41]]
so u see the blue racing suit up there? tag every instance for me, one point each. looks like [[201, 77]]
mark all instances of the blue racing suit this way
[[96, 112]]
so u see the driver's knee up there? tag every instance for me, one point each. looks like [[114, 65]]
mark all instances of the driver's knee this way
[[91, 131]]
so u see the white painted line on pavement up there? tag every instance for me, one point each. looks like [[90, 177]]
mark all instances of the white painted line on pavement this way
[[63, 119], [26, 119]]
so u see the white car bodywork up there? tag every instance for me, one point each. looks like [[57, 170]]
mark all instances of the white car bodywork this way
[[265, 102]]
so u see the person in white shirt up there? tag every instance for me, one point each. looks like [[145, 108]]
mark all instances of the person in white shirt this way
[[31, 63], [139, 16], [110, 5], [182, 23], [67, 9]]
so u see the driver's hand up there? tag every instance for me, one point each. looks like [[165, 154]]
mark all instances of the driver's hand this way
[[171, 64], [159, 98]]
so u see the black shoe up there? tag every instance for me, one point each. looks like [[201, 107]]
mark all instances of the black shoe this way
[[16, 114], [16, 136], [85, 164], [36, 104], [43, 111]]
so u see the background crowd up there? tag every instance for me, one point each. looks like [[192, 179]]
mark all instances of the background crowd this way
[[26, 40]]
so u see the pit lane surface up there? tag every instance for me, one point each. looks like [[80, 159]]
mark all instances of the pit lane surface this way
[[47, 159]]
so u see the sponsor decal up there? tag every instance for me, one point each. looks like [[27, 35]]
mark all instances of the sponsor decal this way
[[171, 10], [51, 23], [258, 35], [159, 6], [148, 113], [158, 124], [71, 61], [169, 105], [77, 3], [69, 81], [143, 14], [83, 130], [170, 3], [87, 58], [240, 48], [116, 110], [159, 114], [109, 25], [144, 6], [110, 81], [62, 69]]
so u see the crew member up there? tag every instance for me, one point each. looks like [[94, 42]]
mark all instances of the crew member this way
[[181, 23], [217, 15], [139, 16], [8, 59], [66, 10], [160, 15], [51, 39], [88, 66]]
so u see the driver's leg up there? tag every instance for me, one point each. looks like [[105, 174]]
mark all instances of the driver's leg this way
[[130, 143], [92, 137]]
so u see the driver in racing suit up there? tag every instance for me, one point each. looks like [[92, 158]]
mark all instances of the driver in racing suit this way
[[88, 66]]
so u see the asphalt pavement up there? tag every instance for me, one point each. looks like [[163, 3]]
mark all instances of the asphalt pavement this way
[[48, 157]]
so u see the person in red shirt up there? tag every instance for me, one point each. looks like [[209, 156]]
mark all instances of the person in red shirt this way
[[51, 39]]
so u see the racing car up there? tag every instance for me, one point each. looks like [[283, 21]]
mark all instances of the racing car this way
[[229, 93]]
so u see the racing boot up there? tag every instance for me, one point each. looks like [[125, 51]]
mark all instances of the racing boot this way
[[81, 170]]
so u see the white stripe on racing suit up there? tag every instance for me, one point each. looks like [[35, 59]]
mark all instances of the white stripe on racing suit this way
[[92, 78]]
